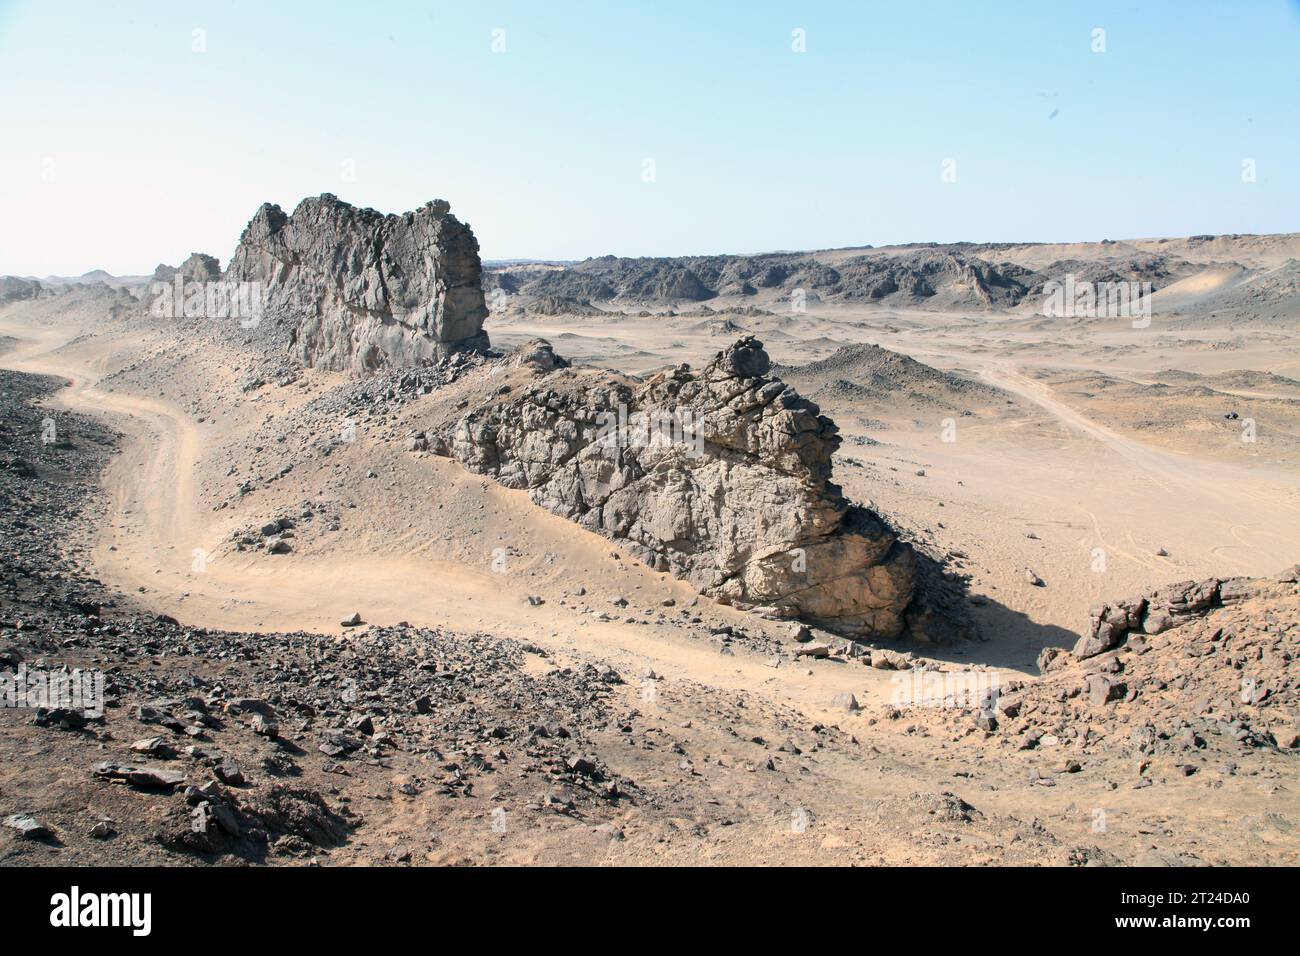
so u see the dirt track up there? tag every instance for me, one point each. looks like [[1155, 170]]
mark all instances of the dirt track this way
[[154, 525], [1078, 483]]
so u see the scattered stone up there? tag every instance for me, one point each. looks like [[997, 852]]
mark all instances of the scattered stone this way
[[147, 777], [1051, 658], [28, 827], [102, 830], [61, 717], [1102, 690], [582, 766], [813, 650], [264, 727], [886, 660], [250, 705], [154, 747], [229, 773]]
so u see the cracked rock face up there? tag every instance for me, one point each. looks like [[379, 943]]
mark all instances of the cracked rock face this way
[[721, 477], [360, 290]]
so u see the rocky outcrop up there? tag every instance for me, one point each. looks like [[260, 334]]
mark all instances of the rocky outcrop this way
[[1190, 669], [360, 290], [1109, 625], [199, 267], [16, 289], [721, 477]]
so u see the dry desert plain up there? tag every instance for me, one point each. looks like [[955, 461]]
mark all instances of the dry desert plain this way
[[522, 690]]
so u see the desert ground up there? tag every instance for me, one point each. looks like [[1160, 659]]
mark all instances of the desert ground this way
[[1051, 464]]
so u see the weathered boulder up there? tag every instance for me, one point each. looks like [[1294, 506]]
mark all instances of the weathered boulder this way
[[721, 477], [360, 290], [28, 826]]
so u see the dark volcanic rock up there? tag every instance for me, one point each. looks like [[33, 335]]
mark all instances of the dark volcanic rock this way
[[15, 289], [956, 275], [1110, 624]]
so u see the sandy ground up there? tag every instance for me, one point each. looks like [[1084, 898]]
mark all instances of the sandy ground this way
[[155, 523], [1052, 470], [1046, 483], [1058, 470]]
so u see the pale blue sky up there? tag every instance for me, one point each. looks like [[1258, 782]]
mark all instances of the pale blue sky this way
[[121, 147]]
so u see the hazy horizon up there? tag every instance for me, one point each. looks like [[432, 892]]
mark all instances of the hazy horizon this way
[[672, 130], [493, 260]]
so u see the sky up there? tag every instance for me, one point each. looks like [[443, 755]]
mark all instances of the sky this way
[[134, 133]]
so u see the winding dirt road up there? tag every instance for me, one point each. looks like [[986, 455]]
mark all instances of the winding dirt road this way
[[156, 536], [1243, 509], [154, 525]]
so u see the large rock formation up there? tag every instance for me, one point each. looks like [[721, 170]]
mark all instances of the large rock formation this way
[[199, 267], [721, 477], [360, 290], [17, 289]]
